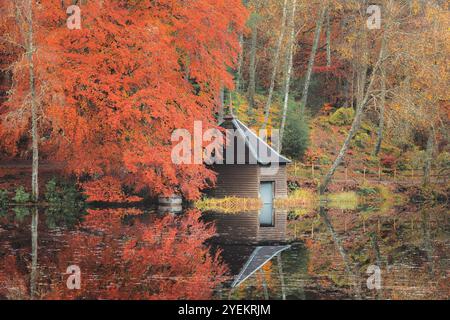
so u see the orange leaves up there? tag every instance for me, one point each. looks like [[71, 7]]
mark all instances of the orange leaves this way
[[178, 261], [161, 258], [113, 92], [107, 189]]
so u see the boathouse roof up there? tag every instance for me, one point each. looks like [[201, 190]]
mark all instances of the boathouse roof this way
[[257, 150], [259, 257]]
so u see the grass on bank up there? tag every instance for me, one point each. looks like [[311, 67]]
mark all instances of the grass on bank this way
[[348, 200]]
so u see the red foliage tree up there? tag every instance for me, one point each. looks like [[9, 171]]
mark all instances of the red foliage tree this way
[[112, 93]]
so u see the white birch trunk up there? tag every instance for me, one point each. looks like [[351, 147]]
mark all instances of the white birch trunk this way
[[275, 65], [289, 65], [312, 57]]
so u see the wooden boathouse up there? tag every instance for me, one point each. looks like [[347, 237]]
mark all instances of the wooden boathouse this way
[[261, 171]]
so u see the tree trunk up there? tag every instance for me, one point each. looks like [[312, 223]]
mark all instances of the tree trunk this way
[[355, 126], [264, 283], [382, 103], [311, 60], [34, 111], [240, 62], [352, 273], [361, 71], [289, 65], [221, 104], [328, 39], [275, 65], [34, 253], [428, 158], [281, 274], [252, 69]]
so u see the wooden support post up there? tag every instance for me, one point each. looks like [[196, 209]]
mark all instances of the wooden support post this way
[[312, 230], [379, 173], [364, 175], [346, 174], [312, 170]]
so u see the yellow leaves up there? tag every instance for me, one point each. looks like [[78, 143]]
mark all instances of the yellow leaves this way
[[415, 7], [257, 118]]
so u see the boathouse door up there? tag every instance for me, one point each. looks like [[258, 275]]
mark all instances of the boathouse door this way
[[266, 213]]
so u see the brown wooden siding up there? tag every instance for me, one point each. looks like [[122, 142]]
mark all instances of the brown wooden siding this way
[[235, 228], [237, 180], [278, 231], [279, 178], [241, 228]]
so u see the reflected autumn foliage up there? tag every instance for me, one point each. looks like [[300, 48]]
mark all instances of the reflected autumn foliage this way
[[12, 282], [409, 249], [122, 254], [164, 258]]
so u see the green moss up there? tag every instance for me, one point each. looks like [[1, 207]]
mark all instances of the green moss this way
[[342, 117], [362, 140], [367, 127]]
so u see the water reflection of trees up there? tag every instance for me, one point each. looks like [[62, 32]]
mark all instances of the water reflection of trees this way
[[148, 257], [408, 245]]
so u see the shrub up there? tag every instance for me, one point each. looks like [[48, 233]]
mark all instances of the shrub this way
[[325, 160], [21, 213], [3, 198], [342, 117], [371, 161], [367, 191], [362, 139], [367, 127], [292, 186], [388, 160], [326, 109], [296, 136], [21, 195], [66, 203], [443, 160]]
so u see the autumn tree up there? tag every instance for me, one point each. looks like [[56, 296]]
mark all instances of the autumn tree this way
[[18, 22], [114, 91]]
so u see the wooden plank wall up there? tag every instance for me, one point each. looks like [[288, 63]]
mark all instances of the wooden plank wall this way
[[237, 228], [237, 180], [242, 228], [280, 179], [277, 232]]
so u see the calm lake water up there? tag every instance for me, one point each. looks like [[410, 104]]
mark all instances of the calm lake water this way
[[138, 253]]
